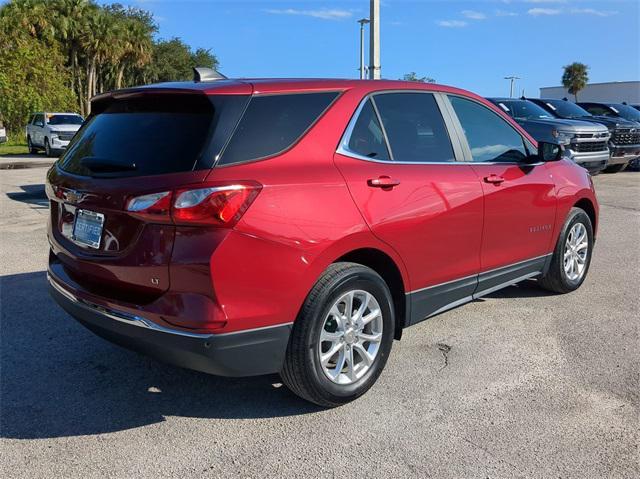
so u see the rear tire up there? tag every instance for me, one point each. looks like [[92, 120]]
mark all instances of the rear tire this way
[[615, 168], [572, 255], [342, 337]]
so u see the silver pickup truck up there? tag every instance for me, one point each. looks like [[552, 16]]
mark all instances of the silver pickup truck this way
[[586, 143], [51, 132]]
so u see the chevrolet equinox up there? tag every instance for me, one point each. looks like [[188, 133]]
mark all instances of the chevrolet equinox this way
[[246, 227]]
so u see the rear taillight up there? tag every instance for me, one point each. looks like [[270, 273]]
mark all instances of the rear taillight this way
[[219, 205]]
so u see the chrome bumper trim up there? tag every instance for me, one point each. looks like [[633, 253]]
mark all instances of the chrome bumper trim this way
[[140, 321], [121, 315]]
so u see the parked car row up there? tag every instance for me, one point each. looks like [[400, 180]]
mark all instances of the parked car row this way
[[51, 132], [597, 136]]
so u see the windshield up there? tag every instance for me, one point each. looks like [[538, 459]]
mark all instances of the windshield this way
[[625, 111], [64, 119], [566, 109], [524, 110]]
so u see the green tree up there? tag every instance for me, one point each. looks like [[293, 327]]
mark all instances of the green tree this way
[[412, 76], [173, 60], [102, 47], [204, 58], [575, 78], [32, 78]]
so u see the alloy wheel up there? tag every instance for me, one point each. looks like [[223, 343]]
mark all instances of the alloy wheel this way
[[350, 337], [576, 250]]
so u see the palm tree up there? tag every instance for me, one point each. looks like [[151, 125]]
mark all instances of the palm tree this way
[[72, 17], [575, 78]]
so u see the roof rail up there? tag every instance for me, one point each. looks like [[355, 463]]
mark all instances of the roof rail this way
[[201, 74]]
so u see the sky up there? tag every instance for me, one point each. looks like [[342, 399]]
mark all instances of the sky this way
[[468, 44]]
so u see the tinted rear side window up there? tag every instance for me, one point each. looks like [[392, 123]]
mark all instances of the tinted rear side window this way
[[366, 137], [415, 127], [155, 133], [273, 123]]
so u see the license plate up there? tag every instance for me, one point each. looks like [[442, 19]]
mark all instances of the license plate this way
[[87, 228]]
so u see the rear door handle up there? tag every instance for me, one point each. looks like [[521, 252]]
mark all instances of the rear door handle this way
[[383, 182], [495, 179]]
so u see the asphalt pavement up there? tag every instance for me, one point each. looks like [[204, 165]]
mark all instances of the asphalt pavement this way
[[521, 383]]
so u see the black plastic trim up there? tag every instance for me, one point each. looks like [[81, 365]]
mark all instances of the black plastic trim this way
[[246, 353]]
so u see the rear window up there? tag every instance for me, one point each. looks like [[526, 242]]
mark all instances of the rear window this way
[[273, 123], [153, 134]]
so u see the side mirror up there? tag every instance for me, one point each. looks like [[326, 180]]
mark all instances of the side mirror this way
[[549, 151]]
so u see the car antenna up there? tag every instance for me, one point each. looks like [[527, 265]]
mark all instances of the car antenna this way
[[201, 74]]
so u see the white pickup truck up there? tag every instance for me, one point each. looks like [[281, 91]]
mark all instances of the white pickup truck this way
[[51, 132]]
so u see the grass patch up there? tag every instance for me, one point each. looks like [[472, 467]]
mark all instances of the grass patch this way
[[11, 148]]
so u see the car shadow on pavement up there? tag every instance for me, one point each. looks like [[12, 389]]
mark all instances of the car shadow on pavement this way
[[58, 379], [32, 194]]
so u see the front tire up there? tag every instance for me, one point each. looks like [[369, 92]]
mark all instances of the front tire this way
[[572, 254], [615, 168], [32, 149], [47, 148], [342, 337]]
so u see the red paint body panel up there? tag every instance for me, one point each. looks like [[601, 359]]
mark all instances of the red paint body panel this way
[[441, 223], [519, 213], [432, 219]]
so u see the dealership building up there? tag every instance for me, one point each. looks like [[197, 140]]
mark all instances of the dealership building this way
[[614, 92]]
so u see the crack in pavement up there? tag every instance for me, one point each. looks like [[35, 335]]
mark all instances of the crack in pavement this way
[[444, 349]]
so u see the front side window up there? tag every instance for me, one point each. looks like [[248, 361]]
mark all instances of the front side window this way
[[366, 137], [273, 123], [490, 138], [415, 127]]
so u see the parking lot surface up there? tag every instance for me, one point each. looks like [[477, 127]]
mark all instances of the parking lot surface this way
[[521, 383]]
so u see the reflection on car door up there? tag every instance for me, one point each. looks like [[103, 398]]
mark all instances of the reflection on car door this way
[[519, 197], [401, 170]]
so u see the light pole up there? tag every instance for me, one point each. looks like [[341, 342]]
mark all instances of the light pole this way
[[512, 78], [374, 40], [362, 22]]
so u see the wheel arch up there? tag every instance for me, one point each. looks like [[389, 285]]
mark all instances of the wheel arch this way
[[387, 268], [588, 207]]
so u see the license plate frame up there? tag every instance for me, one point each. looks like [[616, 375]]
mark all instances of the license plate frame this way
[[91, 226]]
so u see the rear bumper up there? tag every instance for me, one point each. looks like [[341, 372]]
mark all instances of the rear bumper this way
[[245, 353]]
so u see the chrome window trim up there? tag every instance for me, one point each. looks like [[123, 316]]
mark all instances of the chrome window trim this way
[[458, 140], [343, 146]]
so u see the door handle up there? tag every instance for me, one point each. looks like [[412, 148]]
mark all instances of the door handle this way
[[495, 179], [383, 182]]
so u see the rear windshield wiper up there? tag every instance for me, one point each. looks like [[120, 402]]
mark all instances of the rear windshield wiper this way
[[105, 165]]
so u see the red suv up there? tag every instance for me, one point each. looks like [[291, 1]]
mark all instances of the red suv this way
[[245, 227]]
